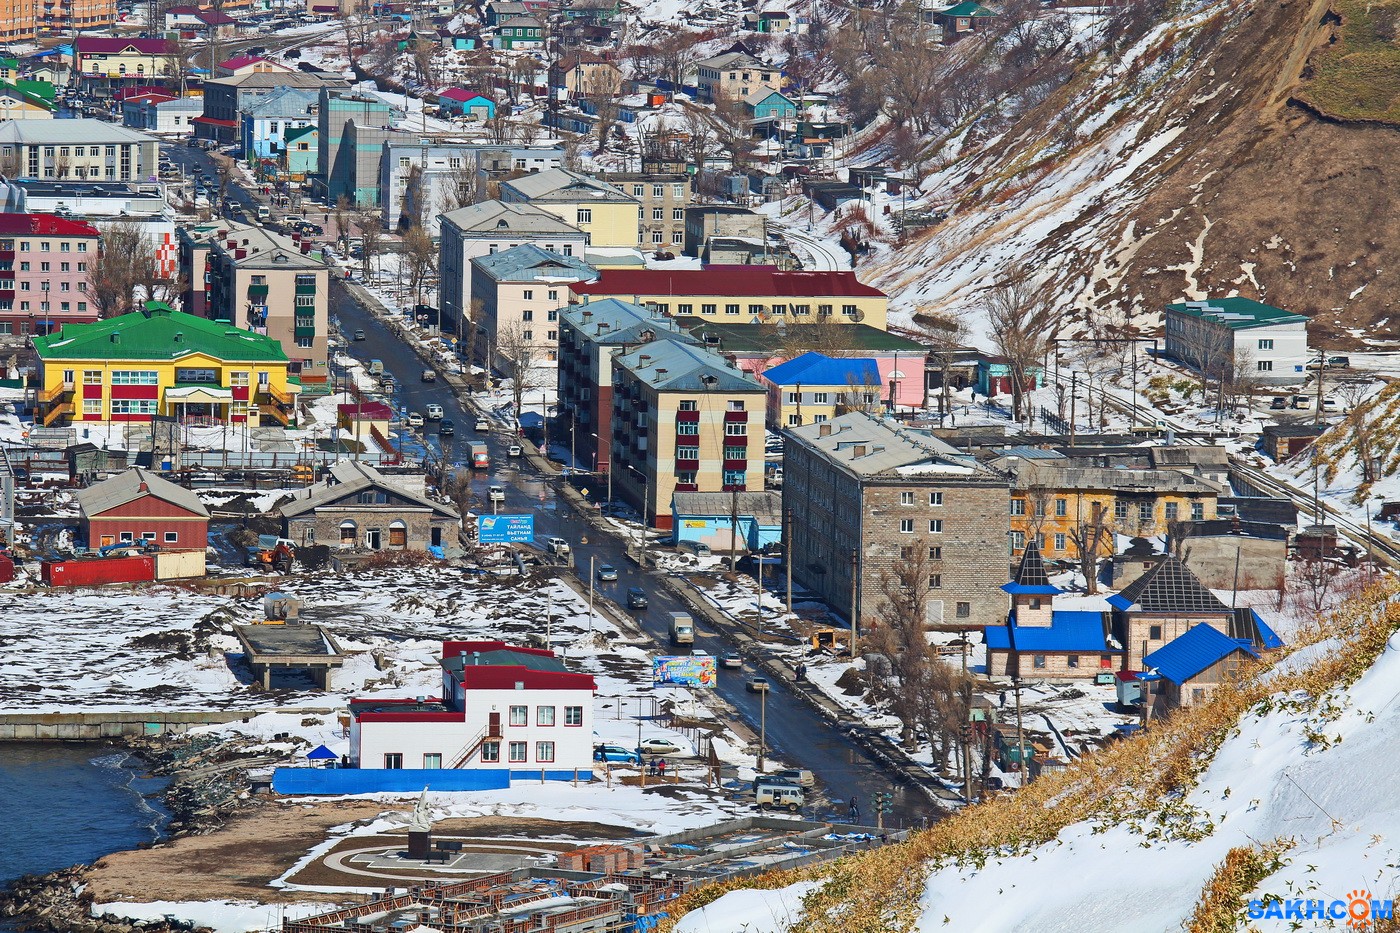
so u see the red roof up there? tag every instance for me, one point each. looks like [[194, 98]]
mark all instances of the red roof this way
[[44, 225], [242, 61], [151, 97], [450, 649], [216, 18], [88, 45], [462, 94], [138, 91], [740, 281], [367, 411], [214, 121], [505, 677]]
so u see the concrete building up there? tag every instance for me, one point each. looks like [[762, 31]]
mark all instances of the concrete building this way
[[874, 494], [140, 506], [103, 205], [1230, 554], [744, 294], [493, 227], [79, 149], [812, 388], [664, 199], [226, 99], [355, 171], [359, 508], [609, 216], [517, 296], [495, 163], [1233, 334], [728, 522], [263, 282], [162, 114], [589, 338], [502, 708], [683, 420], [727, 221], [264, 122], [439, 172], [44, 272], [138, 59], [734, 75]]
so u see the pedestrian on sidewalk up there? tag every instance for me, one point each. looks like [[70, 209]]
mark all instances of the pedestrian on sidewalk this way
[[661, 768], [855, 810]]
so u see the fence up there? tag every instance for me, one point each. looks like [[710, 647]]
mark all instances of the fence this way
[[275, 460], [335, 781]]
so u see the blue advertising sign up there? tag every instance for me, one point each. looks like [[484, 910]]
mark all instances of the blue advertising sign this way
[[691, 671], [505, 529]]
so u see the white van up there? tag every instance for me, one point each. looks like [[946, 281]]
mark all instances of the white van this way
[[264, 213], [779, 796]]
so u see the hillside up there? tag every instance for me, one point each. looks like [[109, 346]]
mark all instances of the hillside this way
[[1184, 165], [1282, 788]]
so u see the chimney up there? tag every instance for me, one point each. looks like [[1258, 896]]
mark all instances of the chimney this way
[[476, 658], [179, 337], [824, 430], [143, 487]]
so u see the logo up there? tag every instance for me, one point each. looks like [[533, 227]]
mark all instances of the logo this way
[[1358, 910]]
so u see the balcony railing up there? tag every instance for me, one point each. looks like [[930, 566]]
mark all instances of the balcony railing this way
[[48, 395]]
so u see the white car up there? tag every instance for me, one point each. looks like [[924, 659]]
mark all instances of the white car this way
[[558, 546], [497, 494], [659, 746], [483, 425], [434, 412], [415, 419]]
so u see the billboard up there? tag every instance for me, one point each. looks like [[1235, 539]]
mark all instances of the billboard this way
[[693, 671], [505, 529]]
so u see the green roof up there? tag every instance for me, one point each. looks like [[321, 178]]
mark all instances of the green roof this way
[[968, 8], [13, 90], [750, 338], [157, 333], [1236, 313]]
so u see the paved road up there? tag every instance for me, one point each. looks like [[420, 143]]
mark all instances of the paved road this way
[[795, 732]]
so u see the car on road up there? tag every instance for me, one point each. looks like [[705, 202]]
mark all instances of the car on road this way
[[557, 546], [1278, 403], [660, 746], [429, 375], [731, 660], [607, 573], [756, 685], [799, 776], [616, 753], [359, 336], [434, 411], [496, 494], [636, 598], [415, 419], [1338, 362], [483, 425], [513, 450], [446, 428]]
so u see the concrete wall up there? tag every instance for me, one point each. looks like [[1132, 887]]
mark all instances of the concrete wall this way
[[1213, 561], [31, 727]]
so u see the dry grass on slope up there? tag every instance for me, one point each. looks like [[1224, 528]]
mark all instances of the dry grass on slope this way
[[1142, 781]]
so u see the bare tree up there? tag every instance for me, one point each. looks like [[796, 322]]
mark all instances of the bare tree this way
[[1022, 324], [1089, 536], [420, 256], [944, 335], [733, 132], [700, 138], [340, 214], [901, 638], [499, 129], [11, 165], [371, 240], [600, 89], [671, 56], [520, 357], [120, 267], [459, 188], [424, 56]]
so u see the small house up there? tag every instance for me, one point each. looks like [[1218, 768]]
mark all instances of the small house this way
[[359, 508], [963, 18], [1162, 605], [139, 506], [1195, 664], [768, 104], [458, 101], [709, 518], [1283, 441], [994, 376], [366, 423]]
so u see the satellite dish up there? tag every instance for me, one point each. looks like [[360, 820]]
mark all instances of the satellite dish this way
[[858, 316]]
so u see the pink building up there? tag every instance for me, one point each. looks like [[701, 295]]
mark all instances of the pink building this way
[[44, 267]]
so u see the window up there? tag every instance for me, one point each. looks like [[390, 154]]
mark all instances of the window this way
[[964, 610], [821, 398], [527, 335], [490, 751], [1266, 344], [133, 406], [906, 526], [658, 237], [736, 453], [1059, 541], [794, 398], [520, 715], [585, 215], [678, 213], [92, 377], [1018, 540], [1018, 506], [528, 294], [736, 405], [92, 406], [935, 498], [906, 498], [794, 420], [639, 191], [935, 552], [935, 526], [1154, 632], [1198, 511], [432, 761], [1144, 511], [658, 213], [1265, 366], [1073, 660], [544, 751], [731, 309], [518, 751], [544, 715], [824, 310], [527, 315], [1120, 511], [1061, 507], [573, 715], [735, 429], [735, 478], [935, 581], [1038, 661], [1170, 510], [134, 377], [689, 428], [393, 761], [172, 537]]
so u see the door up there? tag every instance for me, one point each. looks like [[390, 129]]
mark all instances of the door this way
[[493, 725], [373, 539], [398, 535]]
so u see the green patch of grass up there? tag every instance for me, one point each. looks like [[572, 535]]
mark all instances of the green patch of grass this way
[[1357, 77]]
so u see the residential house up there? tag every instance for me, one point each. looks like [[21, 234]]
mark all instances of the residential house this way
[[456, 101], [264, 122], [768, 104], [683, 420], [734, 75], [333, 8], [359, 508], [770, 22], [122, 58], [140, 506], [18, 102], [1160, 606], [85, 149], [1041, 642], [44, 272], [192, 21], [876, 496], [519, 32], [264, 282], [491, 227], [299, 151], [1196, 663], [157, 361], [162, 114], [962, 19], [103, 205], [584, 74], [609, 216], [498, 11], [994, 376], [516, 299], [597, 12], [250, 64], [590, 336], [1230, 334], [226, 99], [704, 221], [733, 522], [813, 388], [744, 294], [663, 199]]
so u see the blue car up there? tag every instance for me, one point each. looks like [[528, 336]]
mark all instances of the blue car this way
[[616, 753]]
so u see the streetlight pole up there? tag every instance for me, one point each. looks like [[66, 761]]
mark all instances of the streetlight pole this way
[[590, 592], [758, 596], [762, 727]]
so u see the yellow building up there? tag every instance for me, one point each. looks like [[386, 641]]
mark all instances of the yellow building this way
[[157, 361], [608, 215], [742, 294], [124, 58]]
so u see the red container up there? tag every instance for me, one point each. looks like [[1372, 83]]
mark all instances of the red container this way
[[97, 572], [7, 569]]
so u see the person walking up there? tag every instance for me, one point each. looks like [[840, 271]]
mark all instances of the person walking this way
[[661, 768], [855, 810]]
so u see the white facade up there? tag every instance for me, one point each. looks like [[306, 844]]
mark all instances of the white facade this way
[[1270, 344]]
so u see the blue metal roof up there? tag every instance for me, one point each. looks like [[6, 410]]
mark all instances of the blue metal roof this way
[[1025, 589], [1070, 630], [1268, 638], [321, 753], [1183, 658], [816, 369]]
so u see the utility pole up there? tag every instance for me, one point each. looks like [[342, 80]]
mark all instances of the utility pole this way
[[590, 592], [758, 594], [1020, 734], [855, 584], [1321, 362], [787, 550], [762, 727], [967, 761], [1073, 398]]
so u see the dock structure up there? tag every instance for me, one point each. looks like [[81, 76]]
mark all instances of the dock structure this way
[[291, 646]]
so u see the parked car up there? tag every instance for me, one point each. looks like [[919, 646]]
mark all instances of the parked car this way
[[434, 411], [1331, 404], [513, 450], [497, 494], [415, 419], [1302, 402], [557, 546], [756, 685], [1338, 362], [1278, 403], [483, 425], [731, 660], [659, 746], [607, 573], [446, 428], [800, 776], [429, 375], [616, 753], [636, 598]]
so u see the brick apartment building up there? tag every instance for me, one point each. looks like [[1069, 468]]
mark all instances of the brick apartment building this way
[[664, 199], [872, 494]]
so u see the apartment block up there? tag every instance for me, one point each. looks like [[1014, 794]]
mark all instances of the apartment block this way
[[664, 199], [339, 166], [519, 294], [683, 420], [44, 269], [734, 75], [94, 150], [609, 216], [1227, 335], [874, 496], [19, 21]]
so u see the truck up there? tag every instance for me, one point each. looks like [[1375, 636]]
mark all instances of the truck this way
[[682, 629], [481, 457]]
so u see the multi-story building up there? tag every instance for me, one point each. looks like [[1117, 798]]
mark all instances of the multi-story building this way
[[683, 420], [226, 99], [264, 122], [494, 163], [435, 170], [19, 21], [812, 388], [584, 74], [105, 205], [517, 296], [44, 272], [502, 708], [589, 338], [704, 222], [162, 114], [1223, 337], [141, 59], [162, 362], [22, 100], [743, 294], [194, 246], [93, 150], [733, 76], [492, 227], [609, 216], [263, 282], [664, 199], [877, 498], [347, 162]]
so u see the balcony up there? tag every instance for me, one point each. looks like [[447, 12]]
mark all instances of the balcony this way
[[687, 465], [687, 416], [257, 291], [731, 417], [736, 465], [306, 289], [304, 331]]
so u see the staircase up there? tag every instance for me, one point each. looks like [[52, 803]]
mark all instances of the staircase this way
[[488, 732], [57, 412]]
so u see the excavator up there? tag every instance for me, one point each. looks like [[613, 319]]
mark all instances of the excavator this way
[[274, 554]]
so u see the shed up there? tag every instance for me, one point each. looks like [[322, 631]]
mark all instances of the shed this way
[[138, 506], [1282, 441], [708, 518]]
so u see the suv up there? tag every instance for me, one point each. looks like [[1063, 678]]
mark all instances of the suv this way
[[636, 598], [799, 776], [616, 753], [434, 411], [557, 546], [446, 428]]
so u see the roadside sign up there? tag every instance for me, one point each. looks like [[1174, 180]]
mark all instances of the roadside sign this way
[[505, 529], [683, 671]]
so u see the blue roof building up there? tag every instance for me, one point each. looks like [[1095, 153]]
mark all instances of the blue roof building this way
[[813, 388], [1193, 665]]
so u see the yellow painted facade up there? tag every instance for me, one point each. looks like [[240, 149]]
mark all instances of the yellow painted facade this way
[[1055, 514], [608, 223]]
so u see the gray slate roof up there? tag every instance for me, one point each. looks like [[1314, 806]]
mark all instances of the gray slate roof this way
[[890, 448], [1168, 587], [498, 218], [126, 487], [68, 131], [765, 507], [531, 263], [674, 366], [612, 322], [351, 478], [525, 659], [557, 184]]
